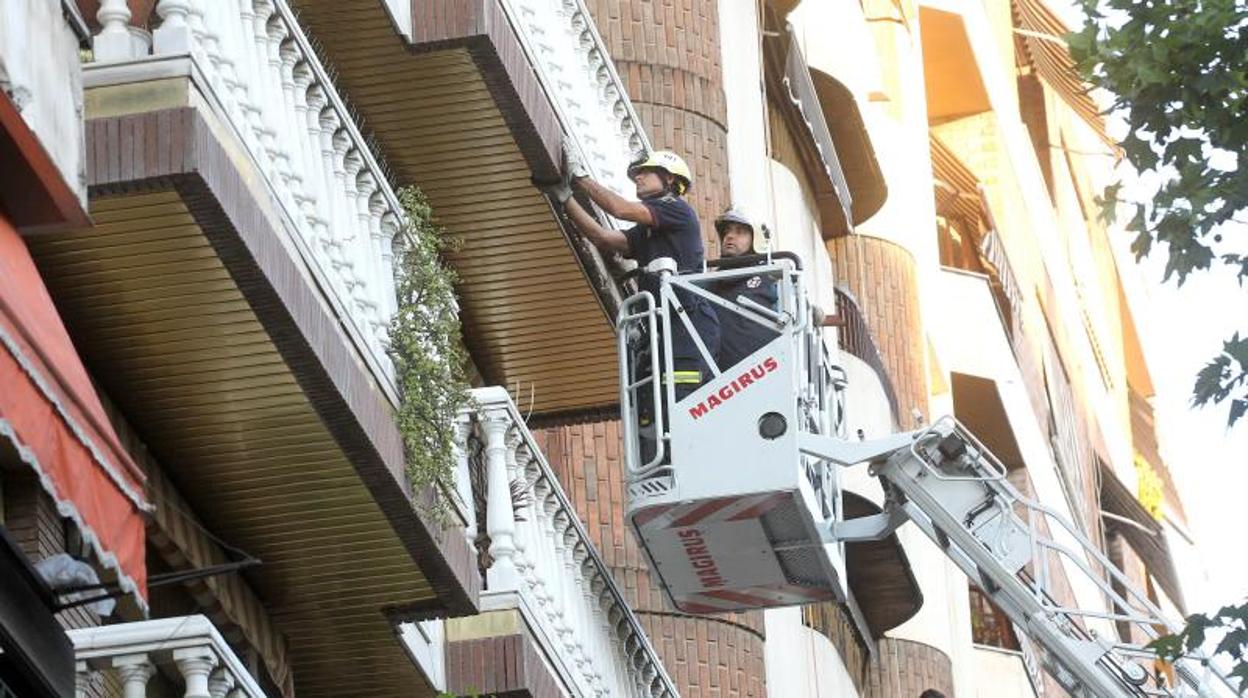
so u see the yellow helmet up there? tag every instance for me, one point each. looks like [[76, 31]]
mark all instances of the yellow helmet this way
[[670, 163]]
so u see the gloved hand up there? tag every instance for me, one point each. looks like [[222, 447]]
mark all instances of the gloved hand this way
[[560, 192], [557, 189], [573, 166]]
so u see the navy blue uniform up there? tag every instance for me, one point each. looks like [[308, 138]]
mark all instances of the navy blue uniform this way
[[738, 336], [677, 234]]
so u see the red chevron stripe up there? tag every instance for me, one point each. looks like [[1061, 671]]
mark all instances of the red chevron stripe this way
[[738, 597], [766, 504], [651, 514], [703, 511]]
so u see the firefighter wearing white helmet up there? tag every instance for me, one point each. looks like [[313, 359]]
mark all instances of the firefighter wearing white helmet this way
[[739, 335], [665, 225]]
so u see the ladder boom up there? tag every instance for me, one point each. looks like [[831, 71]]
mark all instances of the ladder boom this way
[[1023, 555], [734, 492]]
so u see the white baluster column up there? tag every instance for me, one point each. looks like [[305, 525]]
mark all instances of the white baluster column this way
[[389, 229], [174, 34], [366, 300], [113, 43], [379, 270], [500, 519], [84, 680], [134, 671], [195, 664], [463, 478], [511, 441], [220, 683]]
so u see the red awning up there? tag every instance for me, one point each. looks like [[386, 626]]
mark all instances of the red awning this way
[[50, 413]]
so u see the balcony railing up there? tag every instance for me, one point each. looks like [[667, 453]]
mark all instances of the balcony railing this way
[[579, 77], [188, 646], [855, 338], [263, 79], [543, 562]]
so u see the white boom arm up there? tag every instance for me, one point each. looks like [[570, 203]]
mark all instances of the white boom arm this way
[[1015, 549]]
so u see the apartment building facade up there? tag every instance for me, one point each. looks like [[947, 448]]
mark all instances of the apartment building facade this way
[[936, 165], [215, 234], [199, 278]]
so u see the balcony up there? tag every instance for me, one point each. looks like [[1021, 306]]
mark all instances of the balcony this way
[[854, 337], [470, 99], [185, 653], [550, 605], [232, 298]]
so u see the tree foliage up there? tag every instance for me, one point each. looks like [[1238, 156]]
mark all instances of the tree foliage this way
[[1230, 621], [1178, 70], [428, 354]]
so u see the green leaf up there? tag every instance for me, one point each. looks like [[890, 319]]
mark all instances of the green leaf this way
[[429, 358]]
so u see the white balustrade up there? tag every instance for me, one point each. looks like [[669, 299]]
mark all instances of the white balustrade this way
[[544, 563], [189, 647], [271, 88], [575, 69]]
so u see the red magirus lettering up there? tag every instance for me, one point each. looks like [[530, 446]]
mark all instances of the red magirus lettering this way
[[756, 373]]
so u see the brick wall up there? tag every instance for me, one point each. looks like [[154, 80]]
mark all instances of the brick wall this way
[[722, 656], [30, 516], [883, 278], [668, 55], [905, 669]]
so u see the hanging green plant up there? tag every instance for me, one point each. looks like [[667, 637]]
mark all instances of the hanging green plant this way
[[426, 346]]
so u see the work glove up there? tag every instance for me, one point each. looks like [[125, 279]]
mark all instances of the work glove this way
[[573, 166], [557, 189], [560, 192]]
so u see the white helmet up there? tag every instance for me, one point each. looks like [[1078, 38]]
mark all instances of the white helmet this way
[[736, 215]]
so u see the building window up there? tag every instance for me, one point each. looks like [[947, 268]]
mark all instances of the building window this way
[[989, 624]]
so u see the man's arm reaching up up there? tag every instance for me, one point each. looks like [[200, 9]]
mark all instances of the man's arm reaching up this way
[[607, 239]]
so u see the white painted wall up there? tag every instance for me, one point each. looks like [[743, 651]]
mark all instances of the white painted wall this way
[[801, 663], [400, 12], [39, 69], [797, 230], [747, 119], [966, 344], [852, 58], [425, 644], [1000, 674]]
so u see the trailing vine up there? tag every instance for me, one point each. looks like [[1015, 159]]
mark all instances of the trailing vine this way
[[430, 361]]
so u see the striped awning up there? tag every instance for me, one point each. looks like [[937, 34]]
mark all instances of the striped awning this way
[[956, 187], [1143, 533], [1043, 46], [52, 418]]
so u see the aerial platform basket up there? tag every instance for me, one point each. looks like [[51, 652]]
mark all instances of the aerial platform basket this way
[[734, 494], [725, 506]]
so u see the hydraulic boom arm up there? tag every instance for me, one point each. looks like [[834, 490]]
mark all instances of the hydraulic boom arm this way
[[1024, 555]]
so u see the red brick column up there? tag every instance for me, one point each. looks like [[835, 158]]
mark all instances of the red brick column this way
[[883, 277], [721, 656], [668, 55], [905, 669]]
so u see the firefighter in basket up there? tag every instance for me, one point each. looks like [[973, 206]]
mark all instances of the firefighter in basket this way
[[665, 225]]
